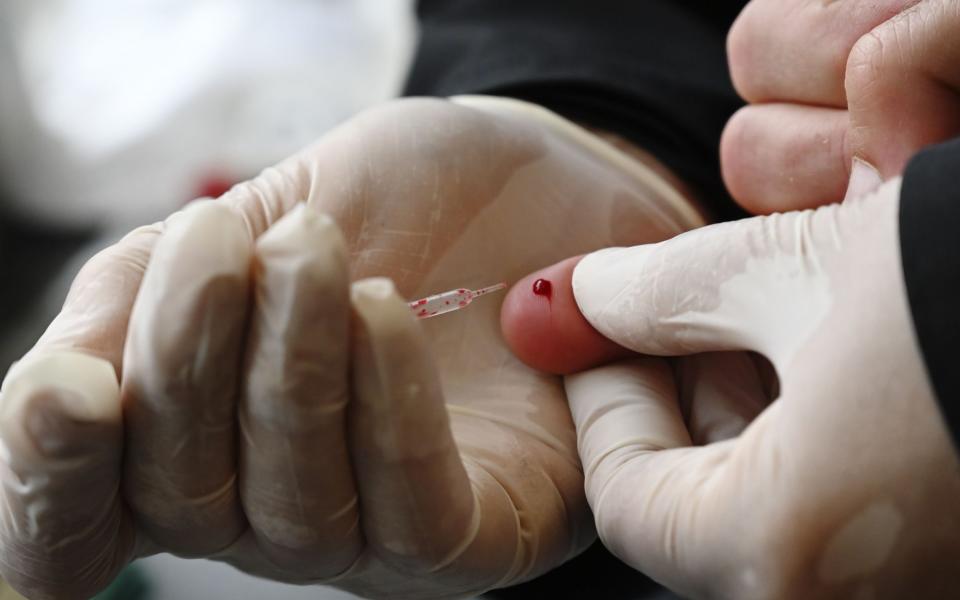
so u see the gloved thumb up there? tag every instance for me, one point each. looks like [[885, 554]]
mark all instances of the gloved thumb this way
[[745, 285]]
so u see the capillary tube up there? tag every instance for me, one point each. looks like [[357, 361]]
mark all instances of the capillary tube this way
[[445, 302]]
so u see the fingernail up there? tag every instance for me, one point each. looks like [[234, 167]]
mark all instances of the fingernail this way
[[864, 178]]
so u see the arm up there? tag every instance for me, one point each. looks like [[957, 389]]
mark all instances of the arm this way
[[929, 221]]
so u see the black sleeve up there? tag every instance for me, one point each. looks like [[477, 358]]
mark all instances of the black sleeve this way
[[930, 252], [654, 72]]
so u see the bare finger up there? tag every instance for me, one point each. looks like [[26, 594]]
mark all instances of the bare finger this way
[[796, 50], [780, 157]]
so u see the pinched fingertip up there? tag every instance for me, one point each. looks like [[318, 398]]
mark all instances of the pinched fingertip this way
[[544, 327]]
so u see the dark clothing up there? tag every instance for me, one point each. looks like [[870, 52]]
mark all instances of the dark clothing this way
[[653, 72], [930, 251]]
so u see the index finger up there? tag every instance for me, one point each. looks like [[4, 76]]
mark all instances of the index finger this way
[[544, 328]]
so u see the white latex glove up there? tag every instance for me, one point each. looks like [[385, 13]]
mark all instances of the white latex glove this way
[[846, 486], [251, 426]]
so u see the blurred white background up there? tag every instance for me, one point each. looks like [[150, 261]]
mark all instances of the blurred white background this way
[[118, 111]]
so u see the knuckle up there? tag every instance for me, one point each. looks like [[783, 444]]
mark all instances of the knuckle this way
[[866, 62], [128, 256], [891, 46], [743, 49]]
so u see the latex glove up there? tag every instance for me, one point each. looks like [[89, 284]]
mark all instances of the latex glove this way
[[812, 499], [828, 82], [400, 460], [846, 486]]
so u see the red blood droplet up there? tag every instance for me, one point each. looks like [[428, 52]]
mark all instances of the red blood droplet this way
[[462, 303], [543, 287], [421, 302]]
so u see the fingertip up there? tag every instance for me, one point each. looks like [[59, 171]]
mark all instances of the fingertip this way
[[378, 305], [90, 381], [387, 340], [61, 406], [300, 271], [544, 328], [304, 227]]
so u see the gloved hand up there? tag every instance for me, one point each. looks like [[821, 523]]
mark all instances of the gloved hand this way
[[251, 425], [831, 81], [846, 486]]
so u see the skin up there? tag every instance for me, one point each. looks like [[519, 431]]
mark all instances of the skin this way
[[826, 82], [696, 478], [551, 334], [446, 466], [829, 82]]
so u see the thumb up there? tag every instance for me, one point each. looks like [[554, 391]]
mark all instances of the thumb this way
[[905, 66], [661, 505], [745, 285]]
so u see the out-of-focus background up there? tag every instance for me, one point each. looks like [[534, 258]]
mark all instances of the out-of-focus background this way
[[114, 113]]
